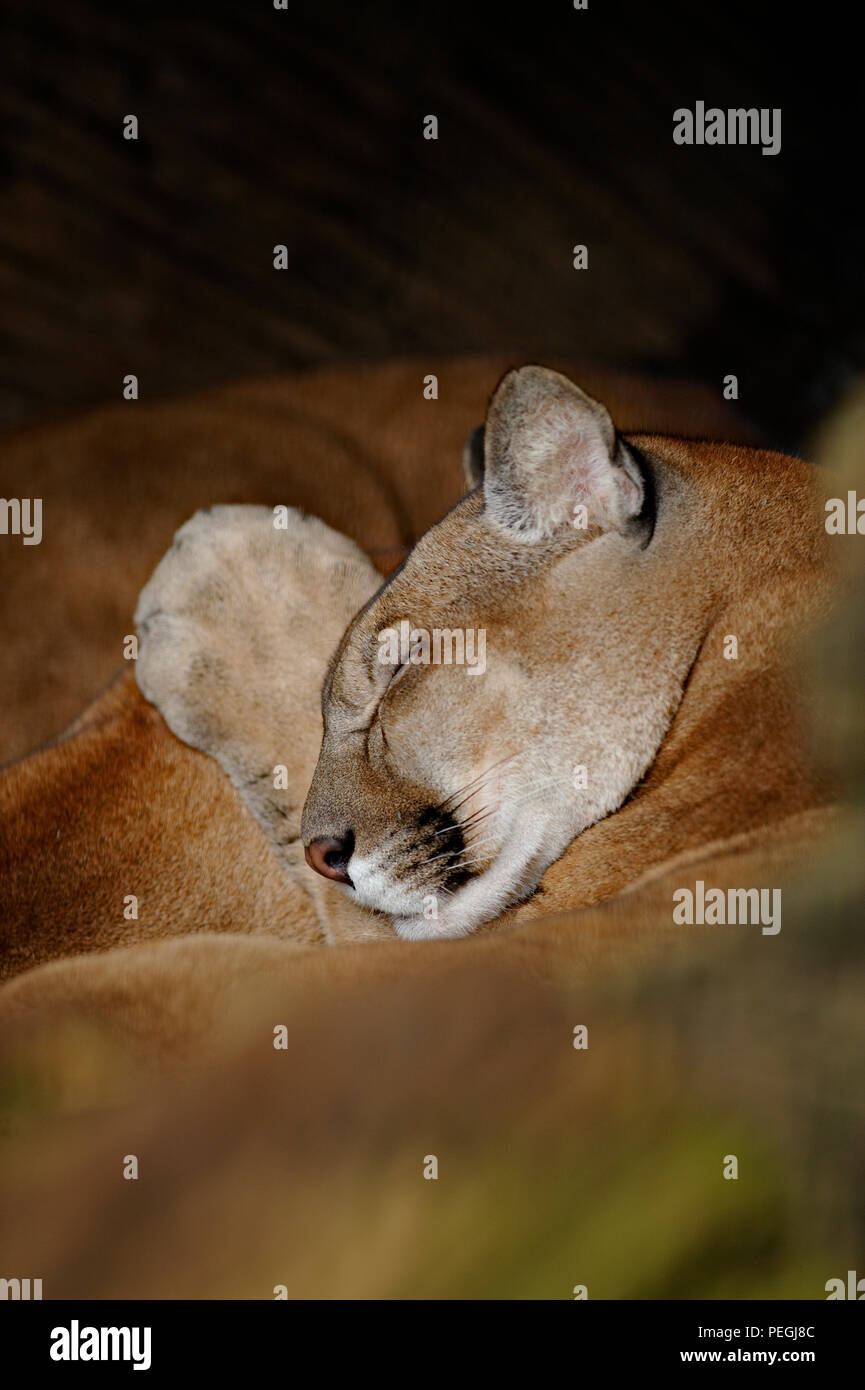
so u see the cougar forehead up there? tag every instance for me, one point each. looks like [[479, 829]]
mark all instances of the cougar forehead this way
[[511, 684]]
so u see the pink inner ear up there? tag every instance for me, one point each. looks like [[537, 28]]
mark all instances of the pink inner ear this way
[[591, 482], [630, 492], [599, 484], [550, 451]]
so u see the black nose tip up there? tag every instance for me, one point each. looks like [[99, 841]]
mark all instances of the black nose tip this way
[[329, 856]]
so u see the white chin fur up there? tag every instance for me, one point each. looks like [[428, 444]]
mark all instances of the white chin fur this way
[[514, 874]]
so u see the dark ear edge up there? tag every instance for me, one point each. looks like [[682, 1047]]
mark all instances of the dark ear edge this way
[[645, 519], [473, 457]]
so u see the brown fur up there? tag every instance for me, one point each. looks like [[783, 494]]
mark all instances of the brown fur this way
[[106, 811], [599, 650], [359, 448], [303, 1167], [119, 806]]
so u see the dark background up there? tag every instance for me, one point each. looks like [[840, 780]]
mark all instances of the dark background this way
[[304, 126]]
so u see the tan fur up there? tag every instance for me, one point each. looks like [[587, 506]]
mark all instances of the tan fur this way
[[106, 811], [606, 649], [175, 998], [121, 807], [263, 1167], [602, 650], [394, 1051], [358, 447]]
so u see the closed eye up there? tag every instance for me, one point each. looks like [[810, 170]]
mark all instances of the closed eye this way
[[376, 732], [397, 676], [375, 724]]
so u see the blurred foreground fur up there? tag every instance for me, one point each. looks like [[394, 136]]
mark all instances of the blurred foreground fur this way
[[303, 1166]]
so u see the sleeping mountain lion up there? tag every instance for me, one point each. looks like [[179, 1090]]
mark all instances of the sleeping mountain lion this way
[[635, 600]]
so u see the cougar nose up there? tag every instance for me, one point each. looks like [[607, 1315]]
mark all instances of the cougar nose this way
[[330, 856]]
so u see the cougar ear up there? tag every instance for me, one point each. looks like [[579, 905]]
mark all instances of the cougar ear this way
[[552, 460], [473, 458]]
